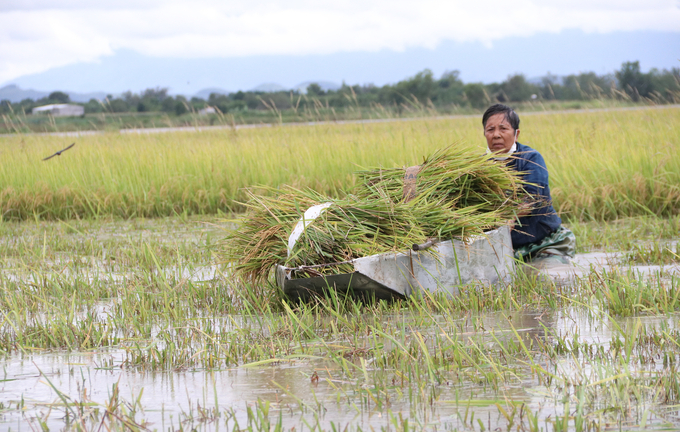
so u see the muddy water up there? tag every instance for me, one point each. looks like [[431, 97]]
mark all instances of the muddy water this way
[[584, 264], [169, 398], [40, 381]]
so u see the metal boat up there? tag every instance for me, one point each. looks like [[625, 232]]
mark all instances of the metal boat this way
[[441, 268]]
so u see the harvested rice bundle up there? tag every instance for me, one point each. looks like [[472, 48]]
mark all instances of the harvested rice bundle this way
[[350, 229], [259, 241], [346, 230], [442, 220], [459, 194], [458, 174]]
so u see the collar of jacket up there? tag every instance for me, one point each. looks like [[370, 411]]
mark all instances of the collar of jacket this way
[[503, 156]]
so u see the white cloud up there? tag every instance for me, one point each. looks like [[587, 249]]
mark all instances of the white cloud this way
[[37, 35]]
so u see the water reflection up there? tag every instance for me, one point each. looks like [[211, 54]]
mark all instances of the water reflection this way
[[293, 390]]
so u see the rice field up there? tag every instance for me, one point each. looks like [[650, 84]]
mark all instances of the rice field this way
[[114, 321], [603, 165]]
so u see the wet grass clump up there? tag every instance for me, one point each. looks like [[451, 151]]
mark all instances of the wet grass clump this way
[[655, 254], [625, 234]]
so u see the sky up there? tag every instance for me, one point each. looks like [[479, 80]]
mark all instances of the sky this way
[[46, 42]]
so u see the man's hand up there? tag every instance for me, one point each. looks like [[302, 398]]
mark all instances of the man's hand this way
[[525, 209]]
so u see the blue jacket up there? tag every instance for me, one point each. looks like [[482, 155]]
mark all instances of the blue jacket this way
[[542, 221]]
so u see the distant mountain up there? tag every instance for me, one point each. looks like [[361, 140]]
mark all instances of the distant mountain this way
[[206, 92], [564, 53], [85, 97], [14, 93], [269, 88]]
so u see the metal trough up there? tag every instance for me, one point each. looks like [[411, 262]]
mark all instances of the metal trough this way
[[485, 259]]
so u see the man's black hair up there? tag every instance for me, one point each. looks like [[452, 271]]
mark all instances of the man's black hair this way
[[510, 115]]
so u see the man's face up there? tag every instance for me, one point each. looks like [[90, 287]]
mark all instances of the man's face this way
[[500, 136]]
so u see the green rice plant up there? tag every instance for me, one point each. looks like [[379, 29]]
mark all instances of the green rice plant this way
[[627, 294], [654, 253], [115, 414], [603, 165], [623, 234]]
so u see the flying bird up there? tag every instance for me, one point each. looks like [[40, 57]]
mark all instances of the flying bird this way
[[59, 152]]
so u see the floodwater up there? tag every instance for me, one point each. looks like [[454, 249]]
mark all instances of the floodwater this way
[[37, 385], [586, 263], [173, 398]]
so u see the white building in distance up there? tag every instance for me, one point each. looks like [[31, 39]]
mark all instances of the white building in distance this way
[[59, 110], [207, 110]]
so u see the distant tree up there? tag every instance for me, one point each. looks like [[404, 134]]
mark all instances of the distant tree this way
[[168, 105], [550, 87], [279, 100], [5, 106], [344, 96], [252, 101], [198, 103], [421, 86], [571, 89], [239, 95], [517, 89], [118, 105], [219, 101], [130, 98], [596, 86], [666, 84], [145, 105], [93, 106], [158, 94], [449, 79], [315, 89], [450, 89], [238, 105], [59, 97], [633, 81], [25, 106], [181, 105], [476, 95]]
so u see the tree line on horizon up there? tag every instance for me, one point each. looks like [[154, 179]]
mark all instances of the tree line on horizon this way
[[422, 90]]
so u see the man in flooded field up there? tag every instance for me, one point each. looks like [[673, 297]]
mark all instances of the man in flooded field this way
[[538, 233]]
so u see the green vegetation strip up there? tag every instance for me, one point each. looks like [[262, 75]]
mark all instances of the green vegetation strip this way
[[603, 166]]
